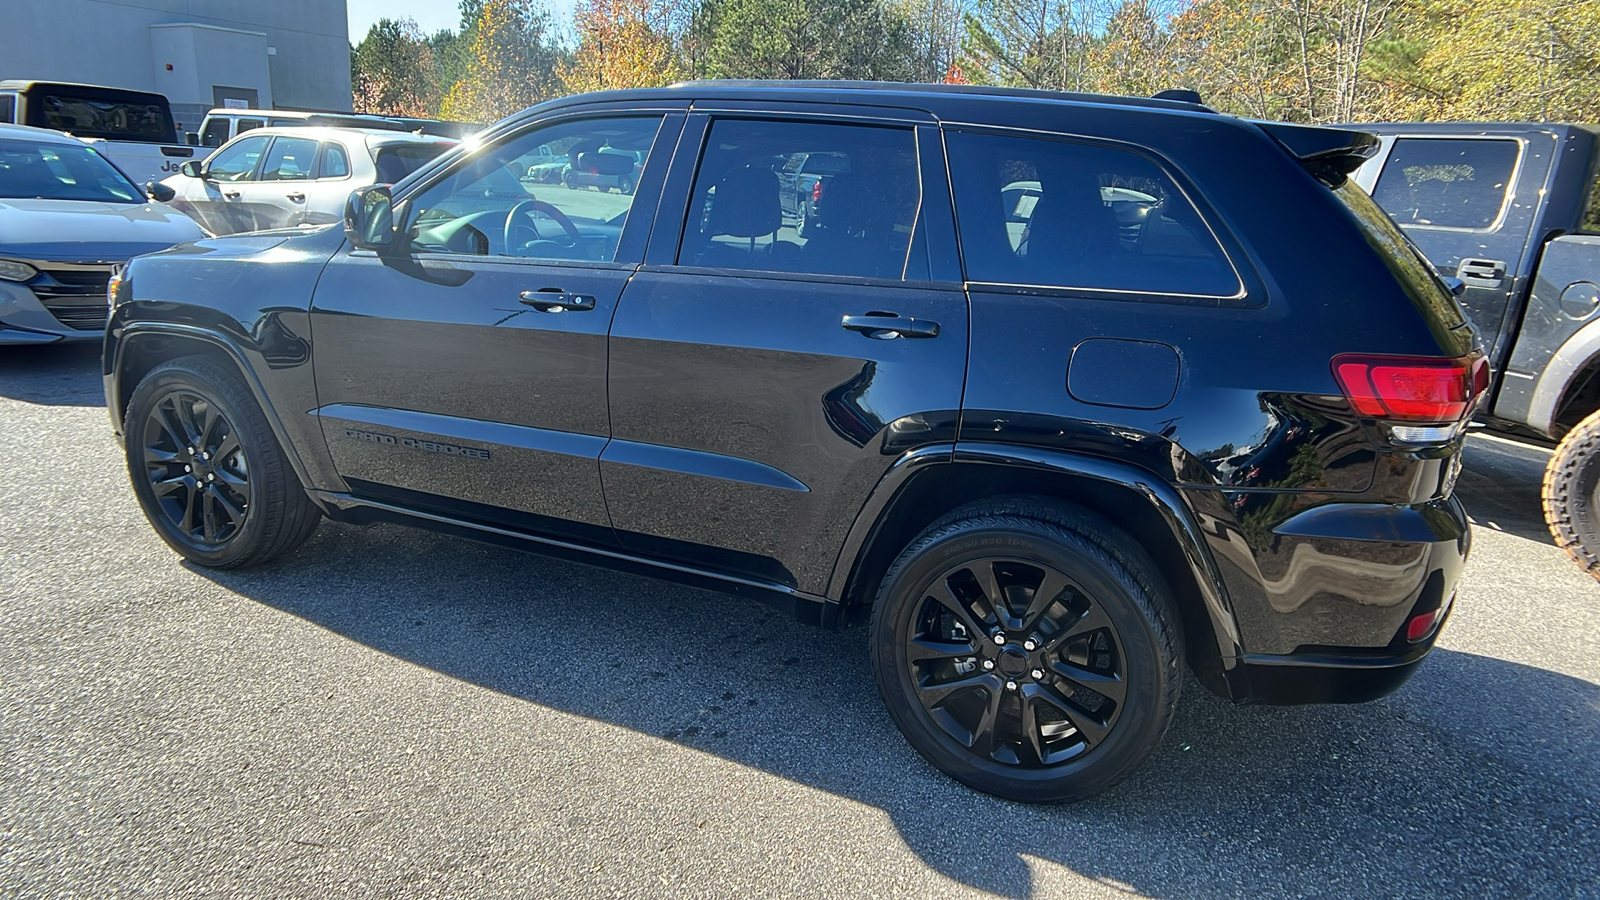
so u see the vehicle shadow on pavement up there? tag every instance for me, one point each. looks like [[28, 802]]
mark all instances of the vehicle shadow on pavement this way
[[1477, 776], [52, 375], [1500, 483]]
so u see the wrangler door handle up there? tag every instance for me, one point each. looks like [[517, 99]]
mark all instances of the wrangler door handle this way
[[886, 328], [556, 300], [296, 196]]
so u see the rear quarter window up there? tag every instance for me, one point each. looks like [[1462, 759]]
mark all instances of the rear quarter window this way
[[1413, 272], [397, 161], [1053, 213], [1447, 182]]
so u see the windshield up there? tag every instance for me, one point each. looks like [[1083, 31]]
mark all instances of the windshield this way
[[107, 116], [395, 163], [31, 170]]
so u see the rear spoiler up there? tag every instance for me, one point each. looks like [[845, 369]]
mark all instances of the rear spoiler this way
[[1330, 154]]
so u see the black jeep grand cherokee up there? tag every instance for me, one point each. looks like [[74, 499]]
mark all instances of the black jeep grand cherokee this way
[[1064, 392]]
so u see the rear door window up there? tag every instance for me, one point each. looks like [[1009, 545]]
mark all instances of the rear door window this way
[[8, 108], [291, 159], [1447, 182], [1050, 213], [862, 206]]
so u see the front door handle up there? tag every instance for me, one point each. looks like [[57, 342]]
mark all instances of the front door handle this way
[[231, 195], [556, 300], [296, 196], [886, 327], [1486, 273]]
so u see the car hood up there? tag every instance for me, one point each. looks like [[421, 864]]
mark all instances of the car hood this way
[[84, 231]]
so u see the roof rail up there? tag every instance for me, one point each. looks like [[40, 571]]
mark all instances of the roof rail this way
[[1157, 102]]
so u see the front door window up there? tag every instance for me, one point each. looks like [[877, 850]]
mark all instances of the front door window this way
[[560, 193]]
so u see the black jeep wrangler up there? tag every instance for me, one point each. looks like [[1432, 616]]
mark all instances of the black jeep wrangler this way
[[1063, 393]]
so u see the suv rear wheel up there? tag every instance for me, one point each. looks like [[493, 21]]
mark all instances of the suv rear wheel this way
[[207, 469], [1028, 649]]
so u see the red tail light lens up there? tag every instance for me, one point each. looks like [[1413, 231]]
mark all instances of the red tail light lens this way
[[1411, 389], [816, 191]]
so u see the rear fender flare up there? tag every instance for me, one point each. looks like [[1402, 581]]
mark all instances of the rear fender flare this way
[[1177, 516], [1555, 382]]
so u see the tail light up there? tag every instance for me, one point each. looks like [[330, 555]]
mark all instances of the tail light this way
[[1412, 389], [816, 191]]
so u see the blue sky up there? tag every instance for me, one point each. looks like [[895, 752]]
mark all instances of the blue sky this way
[[431, 15]]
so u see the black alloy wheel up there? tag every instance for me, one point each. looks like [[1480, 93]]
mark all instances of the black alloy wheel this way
[[207, 469], [1016, 661], [1029, 649], [197, 470]]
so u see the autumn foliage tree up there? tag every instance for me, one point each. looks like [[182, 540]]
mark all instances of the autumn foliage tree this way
[[622, 44], [1294, 60], [513, 63], [392, 71]]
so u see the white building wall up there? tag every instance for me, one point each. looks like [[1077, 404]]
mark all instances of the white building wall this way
[[294, 53]]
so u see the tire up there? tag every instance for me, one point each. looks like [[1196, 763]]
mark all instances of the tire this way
[[802, 219], [1571, 486], [207, 470], [568, 180], [1079, 696], [625, 185]]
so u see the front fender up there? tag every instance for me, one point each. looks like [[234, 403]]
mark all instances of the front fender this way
[[246, 297]]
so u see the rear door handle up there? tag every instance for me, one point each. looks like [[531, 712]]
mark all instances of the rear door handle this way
[[296, 196], [556, 300], [1487, 273], [231, 195], [886, 327]]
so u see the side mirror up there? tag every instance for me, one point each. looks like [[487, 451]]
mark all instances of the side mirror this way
[[369, 218], [158, 192], [193, 169], [192, 138]]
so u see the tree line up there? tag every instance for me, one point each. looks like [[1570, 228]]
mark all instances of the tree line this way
[[1290, 60]]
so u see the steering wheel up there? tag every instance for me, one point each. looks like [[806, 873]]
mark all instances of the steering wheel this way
[[527, 206]]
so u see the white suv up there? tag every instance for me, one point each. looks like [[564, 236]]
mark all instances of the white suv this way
[[284, 177]]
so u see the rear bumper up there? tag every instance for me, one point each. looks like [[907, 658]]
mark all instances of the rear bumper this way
[[1322, 593], [1332, 676]]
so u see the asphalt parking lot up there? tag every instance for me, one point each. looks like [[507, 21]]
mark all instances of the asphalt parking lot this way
[[392, 713]]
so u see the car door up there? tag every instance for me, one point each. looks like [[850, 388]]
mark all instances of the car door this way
[[214, 200], [325, 197], [277, 196], [762, 383], [465, 374], [1457, 197]]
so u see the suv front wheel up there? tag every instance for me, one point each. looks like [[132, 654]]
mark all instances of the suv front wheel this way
[[207, 469], [1028, 649]]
